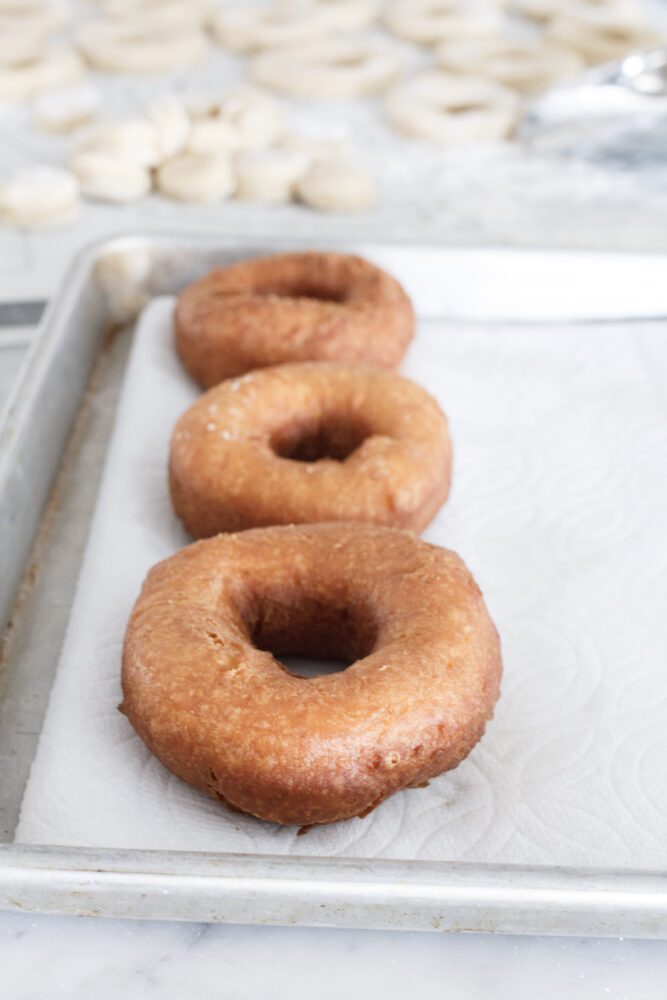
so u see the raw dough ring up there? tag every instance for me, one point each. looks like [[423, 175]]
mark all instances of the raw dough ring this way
[[251, 29], [452, 110], [175, 13], [20, 45], [57, 70], [291, 307], [224, 715], [601, 35], [342, 15], [522, 65], [337, 68], [310, 442], [427, 22], [34, 16], [143, 47]]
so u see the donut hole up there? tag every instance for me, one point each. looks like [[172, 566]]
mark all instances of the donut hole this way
[[311, 627], [350, 62], [463, 108], [308, 667], [304, 288], [334, 436]]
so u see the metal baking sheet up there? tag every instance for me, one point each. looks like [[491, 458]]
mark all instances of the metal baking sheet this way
[[83, 332]]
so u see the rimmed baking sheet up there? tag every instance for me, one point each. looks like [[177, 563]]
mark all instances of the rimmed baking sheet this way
[[556, 507]]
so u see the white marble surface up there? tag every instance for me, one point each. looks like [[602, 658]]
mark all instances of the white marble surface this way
[[68, 958]]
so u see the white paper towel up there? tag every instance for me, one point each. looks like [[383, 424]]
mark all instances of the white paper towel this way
[[558, 505]]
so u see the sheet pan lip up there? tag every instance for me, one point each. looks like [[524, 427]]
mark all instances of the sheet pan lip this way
[[617, 897], [417, 895], [91, 250], [154, 861], [87, 256]]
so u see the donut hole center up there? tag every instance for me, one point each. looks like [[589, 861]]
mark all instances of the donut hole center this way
[[304, 288], [335, 436], [308, 634], [349, 62], [463, 108]]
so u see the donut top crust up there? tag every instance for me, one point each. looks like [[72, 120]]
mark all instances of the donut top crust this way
[[291, 307], [227, 717], [231, 464]]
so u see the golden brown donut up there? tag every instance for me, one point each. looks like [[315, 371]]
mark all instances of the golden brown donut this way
[[310, 442], [210, 701], [291, 307]]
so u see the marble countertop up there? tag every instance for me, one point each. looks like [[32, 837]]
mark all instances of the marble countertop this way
[[68, 958]]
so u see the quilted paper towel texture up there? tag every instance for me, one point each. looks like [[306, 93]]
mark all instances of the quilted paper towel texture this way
[[560, 452]]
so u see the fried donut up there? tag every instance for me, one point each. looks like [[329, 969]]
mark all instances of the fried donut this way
[[206, 696], [291, 307], [307, 443]]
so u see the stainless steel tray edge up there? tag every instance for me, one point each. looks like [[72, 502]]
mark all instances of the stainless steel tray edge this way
[[30, 450], [272, 890], [333, 892]]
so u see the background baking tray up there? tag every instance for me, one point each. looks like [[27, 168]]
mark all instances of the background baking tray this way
[[83, 332]]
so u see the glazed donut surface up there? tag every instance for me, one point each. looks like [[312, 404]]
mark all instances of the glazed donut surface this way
[[291, 307], [212, 703], [307, 443]]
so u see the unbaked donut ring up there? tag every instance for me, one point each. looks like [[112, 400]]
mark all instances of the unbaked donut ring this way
[[527, 66], [251, 29], [291, 307], [427, 22], [540, 11], [57, 69], [601, 33], [34, 16], [205, 694], [19, 45], [342, 15], [337, 68], [144, 46], [175, 13], [452, 110], [310, 442]]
